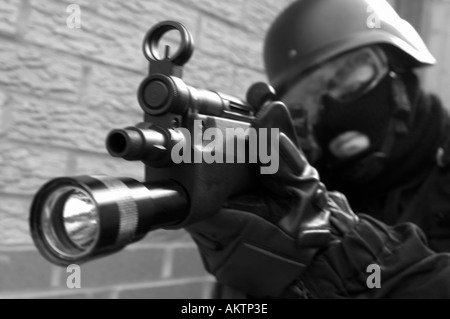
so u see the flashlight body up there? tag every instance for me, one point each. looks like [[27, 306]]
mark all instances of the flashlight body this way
[[122, 211]]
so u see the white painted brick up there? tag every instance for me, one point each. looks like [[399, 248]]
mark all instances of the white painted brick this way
[[259, 14], [230, 43], [9, 13], [98, 38], [209, 72], [30, 70], [437, 78], [2, 111], [144, 14], [110, 90], [231, 10], [439, 11], [14, 229], [84, 4], [65, 125], [23, 169]]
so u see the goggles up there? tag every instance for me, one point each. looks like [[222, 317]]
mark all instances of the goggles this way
[[344, 79]]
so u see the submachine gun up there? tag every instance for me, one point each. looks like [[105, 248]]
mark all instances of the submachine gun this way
[[77, 219]]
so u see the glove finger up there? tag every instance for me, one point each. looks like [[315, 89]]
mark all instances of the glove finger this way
[[292, 162], [294, 172], [276, 115]]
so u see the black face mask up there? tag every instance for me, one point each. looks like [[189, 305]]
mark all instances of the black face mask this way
[[371, 115]]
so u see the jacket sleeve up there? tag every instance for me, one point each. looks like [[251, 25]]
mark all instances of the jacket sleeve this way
[[407, 267]]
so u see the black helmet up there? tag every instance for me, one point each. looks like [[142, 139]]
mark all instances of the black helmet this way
[[309, 32]]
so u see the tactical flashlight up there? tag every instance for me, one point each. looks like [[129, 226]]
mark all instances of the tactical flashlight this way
[[77, 219]]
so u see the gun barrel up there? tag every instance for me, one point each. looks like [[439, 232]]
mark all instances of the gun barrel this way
[[151, 145]]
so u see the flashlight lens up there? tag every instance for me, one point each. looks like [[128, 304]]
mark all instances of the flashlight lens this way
[[70, 221], [80, 219]]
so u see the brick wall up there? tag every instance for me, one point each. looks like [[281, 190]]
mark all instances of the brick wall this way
[[437, 35], [62, 90], [430, 18]]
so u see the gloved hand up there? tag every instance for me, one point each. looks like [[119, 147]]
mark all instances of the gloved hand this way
[[261, 243]]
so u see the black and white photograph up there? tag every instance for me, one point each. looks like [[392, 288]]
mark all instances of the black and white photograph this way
[[224, 154]]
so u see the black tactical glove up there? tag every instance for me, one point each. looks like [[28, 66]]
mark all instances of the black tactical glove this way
[[260, 244]]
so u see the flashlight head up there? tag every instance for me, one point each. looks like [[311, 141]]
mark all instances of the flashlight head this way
[[70, 221], [77, 219]]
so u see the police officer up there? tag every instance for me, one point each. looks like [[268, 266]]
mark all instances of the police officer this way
[[377, 136], [373, 134]]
